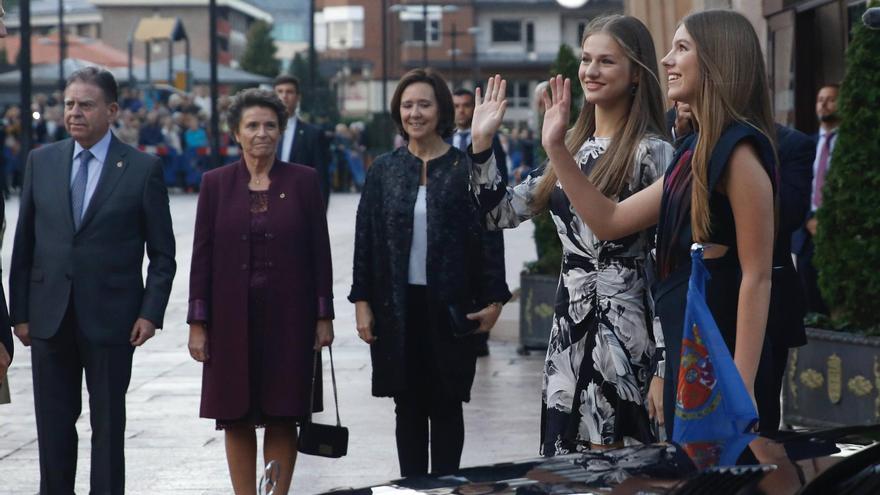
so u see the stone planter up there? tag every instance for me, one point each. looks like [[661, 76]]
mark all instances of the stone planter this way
[[834, 380], [537, 297]]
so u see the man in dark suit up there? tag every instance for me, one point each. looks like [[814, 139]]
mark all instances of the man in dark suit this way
[[802, 240], [463, 101], [89, 206], [785, 320], [302, 143]]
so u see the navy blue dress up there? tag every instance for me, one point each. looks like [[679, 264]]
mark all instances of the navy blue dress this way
[[674, 238]]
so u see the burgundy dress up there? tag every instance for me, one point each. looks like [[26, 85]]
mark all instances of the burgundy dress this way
[[257, 309], [261, 277]]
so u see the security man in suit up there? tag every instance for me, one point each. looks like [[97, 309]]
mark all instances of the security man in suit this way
[[89, 206], [463, 101], [802, 240], [302, 143]]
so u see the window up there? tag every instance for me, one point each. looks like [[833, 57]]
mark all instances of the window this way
[[339, 28], [518, 94], [343, 35], [582, 26], [506, 31], [412, 23], [413, 31]]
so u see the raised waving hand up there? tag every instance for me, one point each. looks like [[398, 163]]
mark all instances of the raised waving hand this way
[[557, 105], [488, 113]]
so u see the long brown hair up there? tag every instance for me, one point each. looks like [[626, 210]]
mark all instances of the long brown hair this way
[[733, 88], [615, 167]]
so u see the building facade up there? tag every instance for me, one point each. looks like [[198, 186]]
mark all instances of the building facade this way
[[806, 44], [467, 40], [803, 42], [290, 25], [119, 18], [81, 18]]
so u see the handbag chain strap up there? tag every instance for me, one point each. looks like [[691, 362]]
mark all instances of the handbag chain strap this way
[[333, 376], [314, 378]]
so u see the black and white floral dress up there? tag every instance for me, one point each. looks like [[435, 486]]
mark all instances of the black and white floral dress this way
[[600, 355]]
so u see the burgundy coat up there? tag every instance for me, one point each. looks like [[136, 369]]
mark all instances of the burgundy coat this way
[[300, 288]]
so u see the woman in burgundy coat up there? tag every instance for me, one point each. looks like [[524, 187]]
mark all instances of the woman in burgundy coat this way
[[260, 292]]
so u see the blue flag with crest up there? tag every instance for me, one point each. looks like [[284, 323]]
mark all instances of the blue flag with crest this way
[[714, 415]]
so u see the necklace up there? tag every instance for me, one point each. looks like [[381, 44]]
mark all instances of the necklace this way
[[258, 181]]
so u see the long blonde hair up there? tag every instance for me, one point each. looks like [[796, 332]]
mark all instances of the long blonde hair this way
[[614, 168], [733, 88]]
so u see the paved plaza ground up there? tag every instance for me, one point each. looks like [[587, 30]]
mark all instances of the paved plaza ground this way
[[170, 450]]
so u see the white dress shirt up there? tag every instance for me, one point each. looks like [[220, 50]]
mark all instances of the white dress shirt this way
[[287, 141], [418, 251], [462, 138]]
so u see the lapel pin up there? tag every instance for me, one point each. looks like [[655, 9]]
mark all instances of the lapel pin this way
[[119, 164], [282, 196]]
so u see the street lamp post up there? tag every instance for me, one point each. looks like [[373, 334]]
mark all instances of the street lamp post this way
[[572, 4], [475, 31], [62, 45], [384, 56], [24, 15], [453, 52], [215, 93], [443, 9], [425, 37]]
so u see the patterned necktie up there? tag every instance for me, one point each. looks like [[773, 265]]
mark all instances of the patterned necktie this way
[[822, 168], [78, 188]]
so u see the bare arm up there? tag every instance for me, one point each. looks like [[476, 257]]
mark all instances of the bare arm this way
[[608, 219], [750, 192]]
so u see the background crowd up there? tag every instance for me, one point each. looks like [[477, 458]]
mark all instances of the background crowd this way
[[176, 127]]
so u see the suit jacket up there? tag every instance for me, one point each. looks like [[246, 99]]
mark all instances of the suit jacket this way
[[497, 151], [299, 288], [99, 266], [312, 150], [785, 321], [801, 240], [460, 269]]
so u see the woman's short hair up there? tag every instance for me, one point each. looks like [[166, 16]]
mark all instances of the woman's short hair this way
[[255, 97], [445, 107]]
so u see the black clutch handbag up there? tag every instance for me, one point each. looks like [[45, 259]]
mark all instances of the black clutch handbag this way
[[458, 320], [323, 440]]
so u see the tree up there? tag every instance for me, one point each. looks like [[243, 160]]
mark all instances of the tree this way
[[848, 237], [320, 101], [567, 65], [259, 54], [546, 237]]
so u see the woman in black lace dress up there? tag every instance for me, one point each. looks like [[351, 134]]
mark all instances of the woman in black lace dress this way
[[419, 257]]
